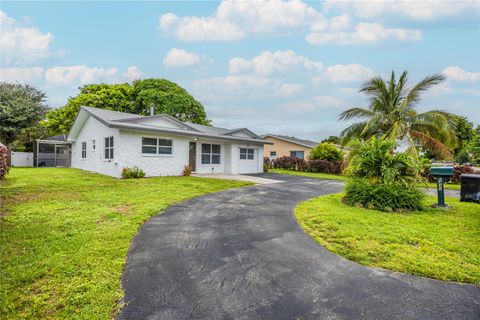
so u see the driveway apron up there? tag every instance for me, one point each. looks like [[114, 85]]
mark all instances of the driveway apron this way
[[240, 254]]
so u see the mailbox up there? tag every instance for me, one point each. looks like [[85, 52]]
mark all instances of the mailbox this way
[[441, 173]]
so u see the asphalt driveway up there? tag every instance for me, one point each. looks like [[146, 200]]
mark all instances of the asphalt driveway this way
[[240, 254]]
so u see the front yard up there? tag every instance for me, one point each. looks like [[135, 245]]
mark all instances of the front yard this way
[[433, 243], [65, 234]]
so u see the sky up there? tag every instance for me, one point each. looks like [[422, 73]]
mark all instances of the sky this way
[[282, 67]]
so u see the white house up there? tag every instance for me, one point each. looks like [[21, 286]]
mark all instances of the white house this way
[[106, 141]]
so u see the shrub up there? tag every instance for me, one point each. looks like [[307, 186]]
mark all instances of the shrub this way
[[376, 161], [385, 197], [326, 151], [290, 163], [3, 161], [135, 172], [187, 170], [324, 166]]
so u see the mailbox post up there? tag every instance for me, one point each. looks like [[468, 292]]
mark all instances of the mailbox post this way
[[441, 173]]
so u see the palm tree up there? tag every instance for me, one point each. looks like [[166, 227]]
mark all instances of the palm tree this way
[[392, 113]]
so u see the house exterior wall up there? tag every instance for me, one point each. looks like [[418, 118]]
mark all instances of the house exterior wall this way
[[130, 154], [283, 148], [244, 166], [94, 129]]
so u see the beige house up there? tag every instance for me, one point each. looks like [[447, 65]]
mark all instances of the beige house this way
[[287, 146]]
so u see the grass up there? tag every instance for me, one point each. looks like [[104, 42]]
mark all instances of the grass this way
[[328, 176], [318, 175], [435, 243], [65, 235]]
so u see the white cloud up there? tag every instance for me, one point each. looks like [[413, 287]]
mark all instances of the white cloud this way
[[176, 58], [344, 73], [22, 75], [132, 73], [59, 76], [233, 87], [268, 63], [233, 20], [315, 103], [458, 74], [339, 30], [22, 45], [426, 10]]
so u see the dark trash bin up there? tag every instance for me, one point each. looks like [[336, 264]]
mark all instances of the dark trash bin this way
[[470, 187]]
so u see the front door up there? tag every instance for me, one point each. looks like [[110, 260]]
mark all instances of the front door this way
[[192, 155]]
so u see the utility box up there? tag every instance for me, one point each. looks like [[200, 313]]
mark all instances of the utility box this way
[[470, 187], [441, 171]]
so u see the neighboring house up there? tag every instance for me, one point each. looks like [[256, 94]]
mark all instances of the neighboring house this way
[[106, 141], [285, 146]]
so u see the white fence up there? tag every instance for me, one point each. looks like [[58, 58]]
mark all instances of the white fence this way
[[22, 159]]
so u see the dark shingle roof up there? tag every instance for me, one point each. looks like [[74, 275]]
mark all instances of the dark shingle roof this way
[[306, 143]]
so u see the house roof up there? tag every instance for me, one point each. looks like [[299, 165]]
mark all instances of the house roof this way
[[128, 121], [302, 142]]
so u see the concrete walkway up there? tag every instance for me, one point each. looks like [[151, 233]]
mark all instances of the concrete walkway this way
[[240, 254]]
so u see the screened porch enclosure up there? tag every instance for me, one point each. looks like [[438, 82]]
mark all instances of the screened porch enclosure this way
[[52, 154]]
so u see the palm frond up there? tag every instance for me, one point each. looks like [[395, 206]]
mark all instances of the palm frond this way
[[422, 86], [436, 146], [355, 113]]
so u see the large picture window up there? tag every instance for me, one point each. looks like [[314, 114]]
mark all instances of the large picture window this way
[[84, 150], [210, 153], [108, 154], [297, 154], [157, 146], [246, 154]]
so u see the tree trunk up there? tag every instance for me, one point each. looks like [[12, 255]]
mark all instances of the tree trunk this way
[[9, 154]]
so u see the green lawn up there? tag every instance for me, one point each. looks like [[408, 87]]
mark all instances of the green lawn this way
[[65, 235], [317, 175], [435, 243], [328, 176]]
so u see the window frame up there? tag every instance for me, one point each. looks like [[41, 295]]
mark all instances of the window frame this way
[[296, 152], [157, 147], [110, 148], [247, 153], [84, 150], [273, 153], [211, 154], [93, 145]]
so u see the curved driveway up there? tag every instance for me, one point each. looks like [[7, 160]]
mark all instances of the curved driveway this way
[[240, 254]]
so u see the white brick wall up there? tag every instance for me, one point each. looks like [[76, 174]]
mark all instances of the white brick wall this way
[[94, 129], [131, 155], [128, 153]]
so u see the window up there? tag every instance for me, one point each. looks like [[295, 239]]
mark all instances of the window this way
[[210, 153], [93, 144], [108, 148], [157, 146], [246, 154], [273, 153], [84, 150], [297, 154]]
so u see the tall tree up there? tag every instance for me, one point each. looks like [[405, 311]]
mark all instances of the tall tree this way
[[332, 139], [464, 132], [392, 112], [21, 106], [166, 97]]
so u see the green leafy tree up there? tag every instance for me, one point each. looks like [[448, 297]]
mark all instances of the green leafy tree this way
[[464, 132], [332, 139], [166, 97], [21, 106], [392, 112], [376, 161], [326, 151]]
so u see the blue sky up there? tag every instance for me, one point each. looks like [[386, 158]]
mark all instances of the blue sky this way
[[272, 66]]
